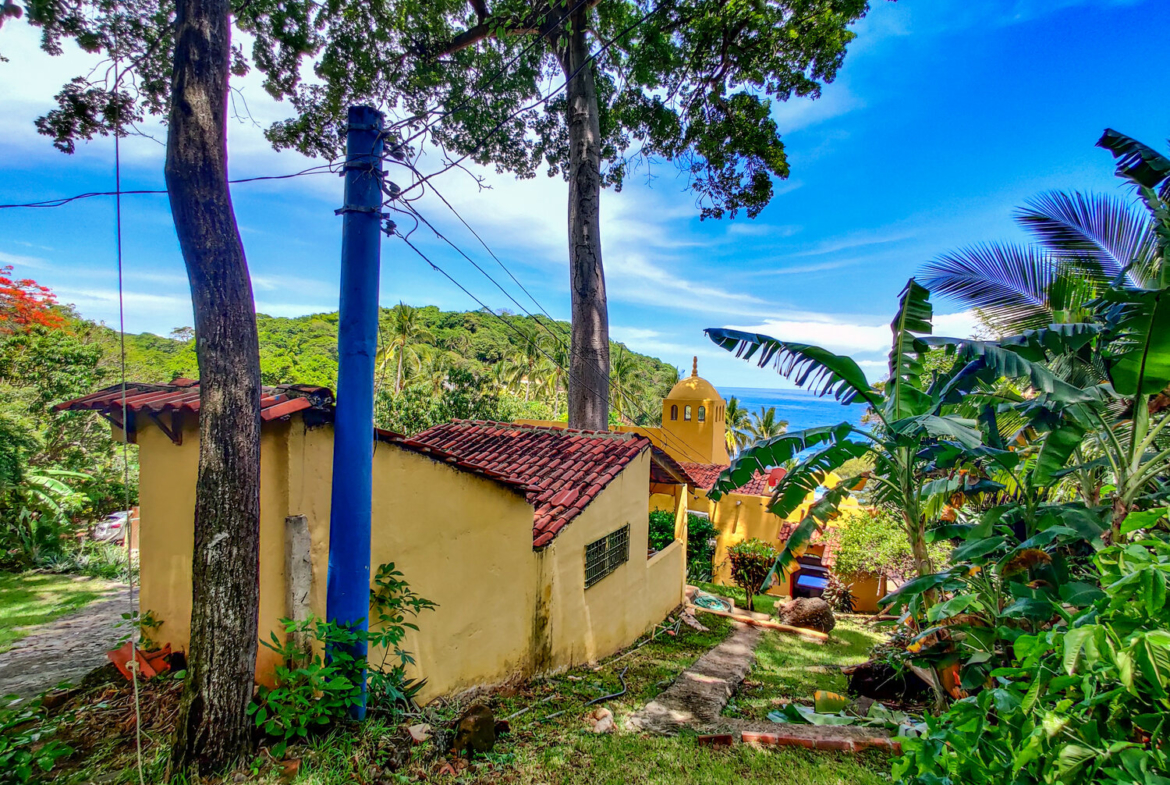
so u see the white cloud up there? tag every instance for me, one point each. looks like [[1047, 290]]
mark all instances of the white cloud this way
[[853, 334], [18, 261], [796, 114]]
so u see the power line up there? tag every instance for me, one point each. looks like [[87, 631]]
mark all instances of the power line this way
[[61, 202], [684, 445]]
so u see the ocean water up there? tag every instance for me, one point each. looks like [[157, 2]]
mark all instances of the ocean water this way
[[801, 409]]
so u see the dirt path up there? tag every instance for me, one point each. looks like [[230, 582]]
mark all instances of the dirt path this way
[[698, 695], [66, 649]]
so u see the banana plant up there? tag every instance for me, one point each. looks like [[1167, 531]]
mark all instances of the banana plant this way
[[918, 420]]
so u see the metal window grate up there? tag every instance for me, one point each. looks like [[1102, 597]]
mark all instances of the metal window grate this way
[[607, 554]]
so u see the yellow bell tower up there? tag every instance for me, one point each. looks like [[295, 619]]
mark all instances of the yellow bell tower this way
[[693, 421]]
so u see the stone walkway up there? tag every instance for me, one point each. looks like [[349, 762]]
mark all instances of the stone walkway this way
[[697, 697], [66, 649]]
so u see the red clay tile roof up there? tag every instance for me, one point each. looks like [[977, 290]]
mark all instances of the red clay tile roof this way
[[562, 470], [704, 475], [831, 539], [182, 395]]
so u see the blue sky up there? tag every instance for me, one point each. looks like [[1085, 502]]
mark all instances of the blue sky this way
[[947, 114]]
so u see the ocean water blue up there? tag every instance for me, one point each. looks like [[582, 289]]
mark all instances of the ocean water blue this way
[[801, 409]]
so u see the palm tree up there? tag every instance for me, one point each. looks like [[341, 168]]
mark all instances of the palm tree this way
[[527, 358], [764, 425], [403, 326], [623, 374], [736, 418], [1083, 243], [557, 374]]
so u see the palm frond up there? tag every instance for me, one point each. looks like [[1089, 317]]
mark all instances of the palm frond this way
[[1009, 284], [1101, 229], [822, 371]]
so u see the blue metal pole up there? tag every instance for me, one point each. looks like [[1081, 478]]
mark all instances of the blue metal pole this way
[[348, 590]]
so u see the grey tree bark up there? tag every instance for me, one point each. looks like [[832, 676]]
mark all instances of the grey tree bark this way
[[213, 728], [589, 358]]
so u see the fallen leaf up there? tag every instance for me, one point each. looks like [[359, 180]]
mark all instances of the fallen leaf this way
[[419, 733]]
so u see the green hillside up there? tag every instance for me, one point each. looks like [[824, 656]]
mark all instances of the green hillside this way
[[423, 354]]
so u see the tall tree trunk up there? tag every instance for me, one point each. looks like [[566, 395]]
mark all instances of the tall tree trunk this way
[[398, 378], [589, 358], [213, 728]]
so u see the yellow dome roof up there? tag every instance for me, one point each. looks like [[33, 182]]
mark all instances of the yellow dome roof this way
[[694, 388]]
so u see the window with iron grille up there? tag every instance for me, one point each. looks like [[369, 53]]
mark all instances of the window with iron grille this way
[[607, 554]]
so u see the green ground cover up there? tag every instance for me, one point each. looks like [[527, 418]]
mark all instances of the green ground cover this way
[[789, 667], [31, 598], [544, 746]]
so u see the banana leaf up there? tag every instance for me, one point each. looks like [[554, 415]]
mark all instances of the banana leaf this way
[[822, 371], [1135, 161], [1058, 447], [1137, 356], [817, 518], [904, 394], [763, 455]]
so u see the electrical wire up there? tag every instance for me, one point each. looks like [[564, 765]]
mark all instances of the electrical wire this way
[[129, 525], [414, 213], [686, 448], [61, 202]]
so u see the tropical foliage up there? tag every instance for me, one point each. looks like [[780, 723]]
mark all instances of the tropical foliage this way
[[55, 468], [1042, 457], [423, 353], [872, 541]]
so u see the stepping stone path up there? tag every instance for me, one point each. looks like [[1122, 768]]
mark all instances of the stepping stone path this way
[[698, 695], [65, 649]]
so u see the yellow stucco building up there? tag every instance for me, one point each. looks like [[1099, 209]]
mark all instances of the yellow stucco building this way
[[532, 541], [694, 434]]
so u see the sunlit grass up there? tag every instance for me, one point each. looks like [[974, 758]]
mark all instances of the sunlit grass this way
[[31, 598], [793, 668]]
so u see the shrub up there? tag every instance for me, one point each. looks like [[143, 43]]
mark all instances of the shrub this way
[[661, 529], [875, 543], [26, 751], [751, 561], [1083, 700], [701, 535], [313, 691]]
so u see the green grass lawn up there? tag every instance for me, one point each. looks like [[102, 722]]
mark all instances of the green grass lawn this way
[[562, 750], [31, 598], [550, 742], [788, 666]]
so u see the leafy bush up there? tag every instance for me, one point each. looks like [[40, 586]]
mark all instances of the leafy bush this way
[[874, 542], [1082, 701], [751, 561], [315, 690], [701, 535], [661, 529], [96, 559], [26, 750], [839, 596]]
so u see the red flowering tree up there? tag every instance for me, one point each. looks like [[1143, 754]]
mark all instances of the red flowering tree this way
[[24, 303]]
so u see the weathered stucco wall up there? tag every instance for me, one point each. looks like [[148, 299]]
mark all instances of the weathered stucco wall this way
[[462, 541], [588, 624]]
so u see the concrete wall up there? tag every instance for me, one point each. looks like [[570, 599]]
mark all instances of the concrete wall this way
[[587, 624], [462, 541]]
